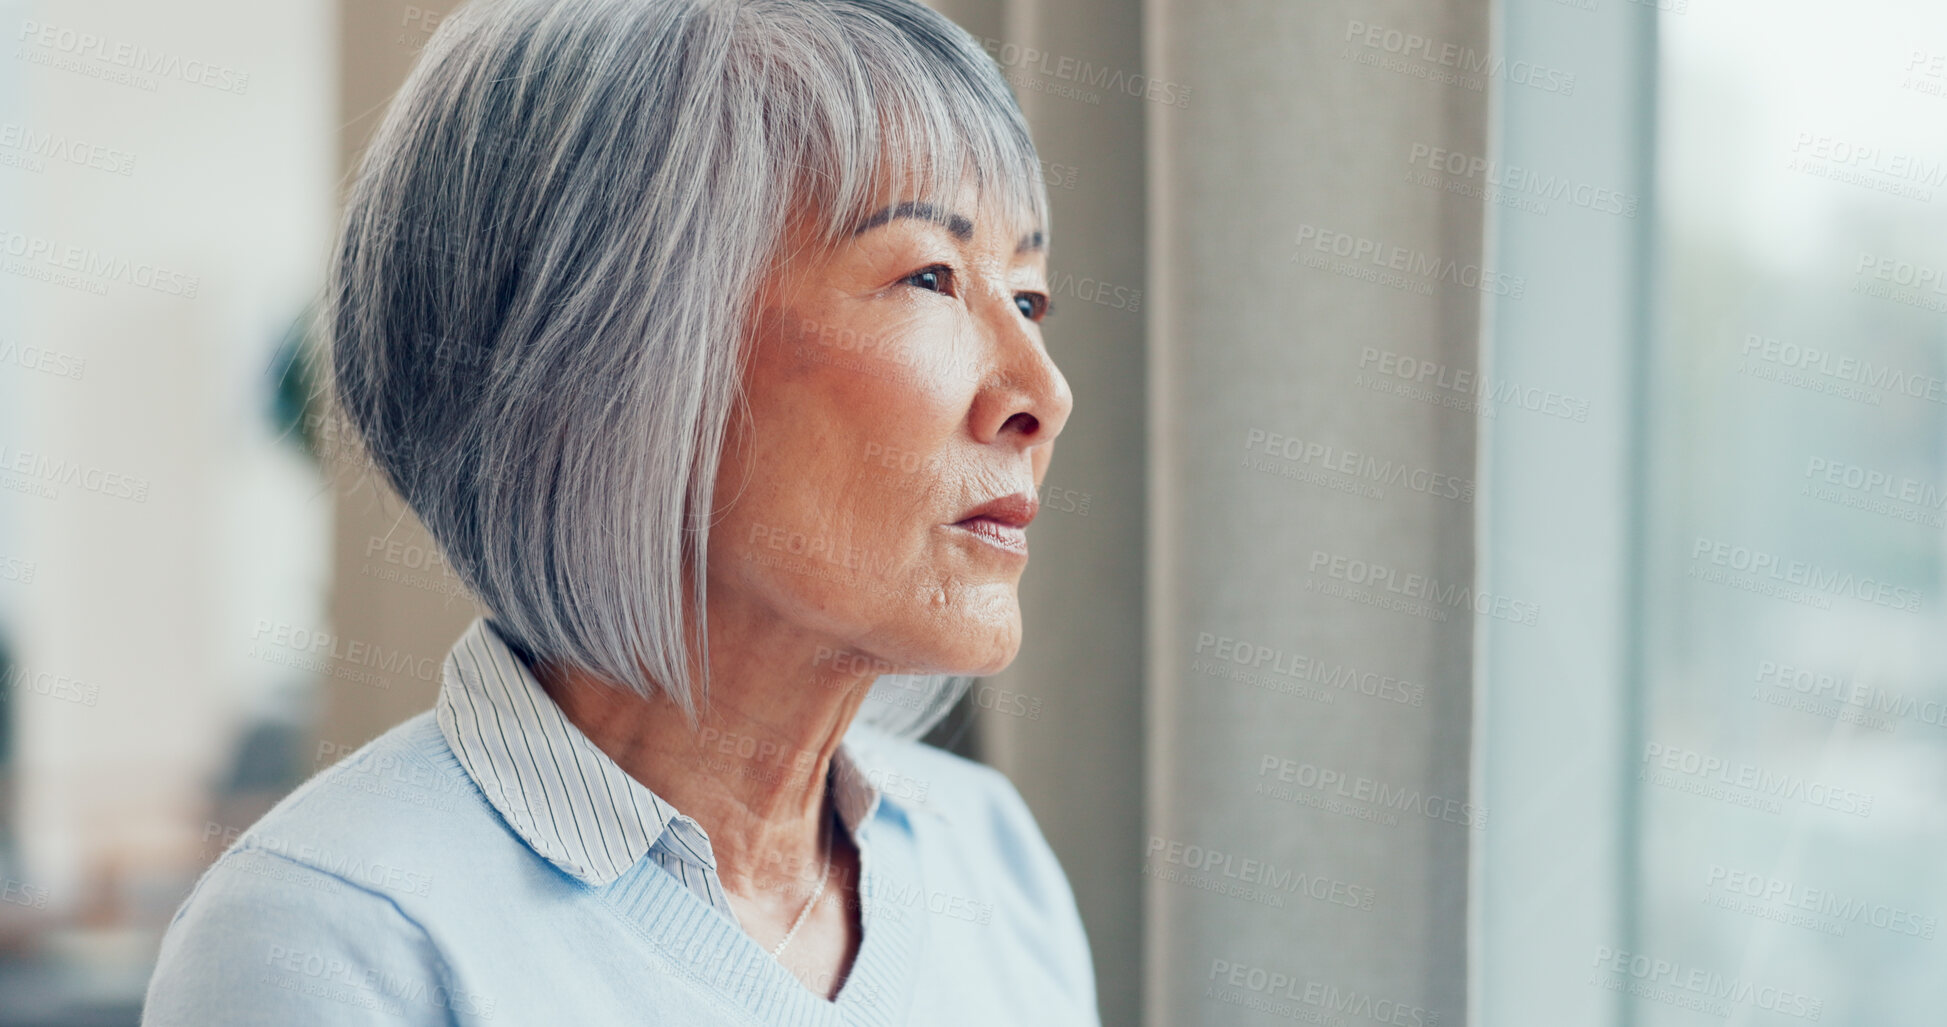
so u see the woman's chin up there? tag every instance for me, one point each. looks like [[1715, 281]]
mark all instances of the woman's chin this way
[[982, 661], [968, 649]]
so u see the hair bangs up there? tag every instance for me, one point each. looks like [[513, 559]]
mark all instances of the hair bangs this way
[[880, 104]]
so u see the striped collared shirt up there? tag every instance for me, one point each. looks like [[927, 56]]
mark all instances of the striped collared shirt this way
[[566, 798]]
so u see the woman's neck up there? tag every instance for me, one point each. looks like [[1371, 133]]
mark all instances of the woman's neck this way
[[753, 773]]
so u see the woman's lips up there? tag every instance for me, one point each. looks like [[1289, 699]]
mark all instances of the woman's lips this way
[[1005, 537], [1014, 510]]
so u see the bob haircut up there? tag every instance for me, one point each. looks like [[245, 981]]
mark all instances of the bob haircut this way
[[540, 299]]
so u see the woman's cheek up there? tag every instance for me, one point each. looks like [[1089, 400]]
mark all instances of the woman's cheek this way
[[924, 354], [946, 365]]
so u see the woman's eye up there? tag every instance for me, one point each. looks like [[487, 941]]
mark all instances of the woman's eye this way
[[938, 278], [1033, 305]]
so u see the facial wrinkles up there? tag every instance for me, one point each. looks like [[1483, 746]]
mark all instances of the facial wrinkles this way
[[880, 517], [998, 277], [899, 366]]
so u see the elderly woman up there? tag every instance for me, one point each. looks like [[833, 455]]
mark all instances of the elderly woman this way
[[704, 336]]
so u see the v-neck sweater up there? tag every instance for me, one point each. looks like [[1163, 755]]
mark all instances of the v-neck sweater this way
[[390, 889]]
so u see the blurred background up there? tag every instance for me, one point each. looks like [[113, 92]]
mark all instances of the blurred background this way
[[1493, 573]]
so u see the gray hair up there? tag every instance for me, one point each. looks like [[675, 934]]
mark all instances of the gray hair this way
[[540, 299]]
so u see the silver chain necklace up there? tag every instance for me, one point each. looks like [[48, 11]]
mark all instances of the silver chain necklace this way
[[823, 874]]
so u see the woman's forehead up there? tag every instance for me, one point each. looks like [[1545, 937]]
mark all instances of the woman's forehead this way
[[971, 202]]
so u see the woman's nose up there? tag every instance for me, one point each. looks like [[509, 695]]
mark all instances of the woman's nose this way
[[1022, 393]]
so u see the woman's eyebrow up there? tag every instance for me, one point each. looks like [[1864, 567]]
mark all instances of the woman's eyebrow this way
[[961, 227]]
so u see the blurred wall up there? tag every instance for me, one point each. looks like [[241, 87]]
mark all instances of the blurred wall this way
[[164, 521]]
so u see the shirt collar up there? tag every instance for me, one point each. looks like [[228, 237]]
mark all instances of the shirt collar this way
[[566, 798]]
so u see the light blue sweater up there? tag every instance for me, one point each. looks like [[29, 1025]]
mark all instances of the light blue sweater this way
[[390, 890]]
